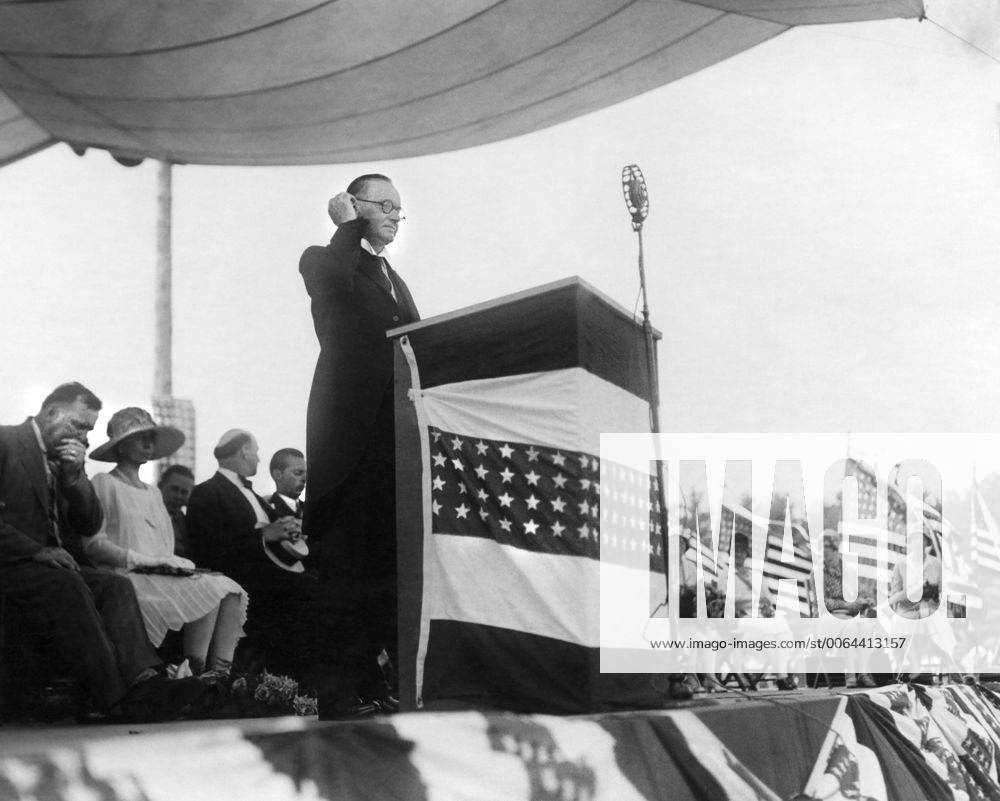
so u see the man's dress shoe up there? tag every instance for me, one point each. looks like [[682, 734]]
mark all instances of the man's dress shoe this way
[[158, 699], [352, 708]]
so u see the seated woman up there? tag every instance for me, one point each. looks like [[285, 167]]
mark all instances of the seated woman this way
[[137, 533]]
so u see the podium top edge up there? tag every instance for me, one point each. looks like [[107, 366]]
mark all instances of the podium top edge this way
[[562, 283]]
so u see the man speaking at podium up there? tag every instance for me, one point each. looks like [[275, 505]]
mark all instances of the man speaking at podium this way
[[356, 296]]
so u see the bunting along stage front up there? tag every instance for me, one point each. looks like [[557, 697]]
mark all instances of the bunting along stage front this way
[[503, 508]]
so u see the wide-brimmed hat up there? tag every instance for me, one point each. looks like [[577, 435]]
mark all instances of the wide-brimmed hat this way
[[287, 554], [130, 421]]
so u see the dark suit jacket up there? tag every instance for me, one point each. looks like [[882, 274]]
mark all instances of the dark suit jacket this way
[[351, 312], [24, 501], [282, 509], [222, 530]]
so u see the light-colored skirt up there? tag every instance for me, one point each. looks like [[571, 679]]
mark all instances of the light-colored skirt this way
[[168, 602]]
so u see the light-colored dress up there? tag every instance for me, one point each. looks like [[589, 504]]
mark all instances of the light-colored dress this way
[[135, 519]]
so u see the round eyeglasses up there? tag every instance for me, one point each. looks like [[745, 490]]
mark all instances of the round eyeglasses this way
[[386, 205]]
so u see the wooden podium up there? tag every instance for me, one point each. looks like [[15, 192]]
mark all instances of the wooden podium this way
[[499, 408]]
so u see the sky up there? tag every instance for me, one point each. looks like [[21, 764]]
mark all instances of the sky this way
[[820, 248]]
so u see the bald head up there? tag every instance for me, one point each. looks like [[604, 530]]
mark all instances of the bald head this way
[[237, 451]]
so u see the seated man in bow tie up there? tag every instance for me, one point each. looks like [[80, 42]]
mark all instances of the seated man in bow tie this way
[[288, 469], [234, 530]]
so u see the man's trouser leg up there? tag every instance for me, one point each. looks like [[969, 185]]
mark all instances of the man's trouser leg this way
[[358, 581], [114, 597], [60, 605], [357, 525]]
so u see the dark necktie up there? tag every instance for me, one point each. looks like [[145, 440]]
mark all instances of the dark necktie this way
[[52, 483], [382, 277], [247, 483]]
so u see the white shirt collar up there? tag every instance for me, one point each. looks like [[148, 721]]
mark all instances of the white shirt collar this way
[[250, 495], [38, 436], [367, 247], [41, 446], [233, 476], [291, 503]]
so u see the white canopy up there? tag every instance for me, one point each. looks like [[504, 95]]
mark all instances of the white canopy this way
[[310, 81]]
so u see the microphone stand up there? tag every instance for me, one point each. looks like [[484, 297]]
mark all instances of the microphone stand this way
[[647, 328], [677, 688], [652, 374]]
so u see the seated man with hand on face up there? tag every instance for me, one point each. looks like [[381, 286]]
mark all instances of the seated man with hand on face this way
[[235, 531], [91, 617]]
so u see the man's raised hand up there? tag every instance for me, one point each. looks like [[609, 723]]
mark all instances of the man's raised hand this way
[[71, 454], [341, 208]]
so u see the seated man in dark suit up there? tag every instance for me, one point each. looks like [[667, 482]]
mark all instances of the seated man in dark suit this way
[[175, 485], [288, 469], [90, 617], [235, 531]]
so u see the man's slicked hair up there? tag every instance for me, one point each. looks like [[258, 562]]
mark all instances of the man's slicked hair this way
[[282, 457], [67, 394], [359, 183], [175, 470]]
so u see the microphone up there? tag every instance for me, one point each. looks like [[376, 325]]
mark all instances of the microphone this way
[[636, 196]]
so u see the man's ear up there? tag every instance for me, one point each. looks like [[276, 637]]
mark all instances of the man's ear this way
[[365, 215]]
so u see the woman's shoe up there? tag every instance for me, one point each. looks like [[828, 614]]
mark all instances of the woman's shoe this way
[[215, 678]]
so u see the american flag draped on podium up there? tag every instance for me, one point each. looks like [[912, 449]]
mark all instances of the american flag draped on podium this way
[[523, 495], [540, 499], [509, 526], [511, 506]]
